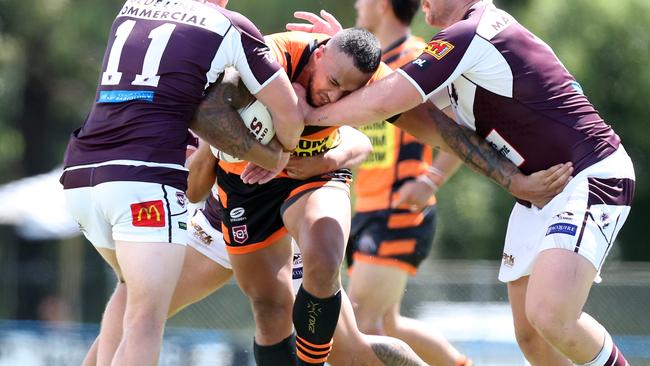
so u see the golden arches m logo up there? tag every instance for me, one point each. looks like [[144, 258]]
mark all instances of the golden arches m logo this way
[[150, 214]]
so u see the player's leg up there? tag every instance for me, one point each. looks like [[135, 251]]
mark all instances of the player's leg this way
[[200, 277], [373, 290], [353, 348], [206, 267], [264, 276], [557, 291], [535, 348], [425, 340], [103, 349], [387, 247], [111, 330], [151, 271], [319, 220], [204, 271]]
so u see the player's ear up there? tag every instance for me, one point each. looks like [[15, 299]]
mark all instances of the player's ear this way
[[319, 52]]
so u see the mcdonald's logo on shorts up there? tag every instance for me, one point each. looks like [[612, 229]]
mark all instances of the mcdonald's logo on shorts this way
[[149, 214]]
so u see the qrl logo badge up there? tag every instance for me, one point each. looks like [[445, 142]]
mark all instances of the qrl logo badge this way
[[149, 214], [240, 234], [438, 48]]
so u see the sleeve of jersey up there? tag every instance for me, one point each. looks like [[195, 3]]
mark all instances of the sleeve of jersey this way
[[254, 61], [443, 60]]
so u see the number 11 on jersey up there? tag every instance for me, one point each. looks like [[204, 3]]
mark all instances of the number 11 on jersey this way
[[149, 77]]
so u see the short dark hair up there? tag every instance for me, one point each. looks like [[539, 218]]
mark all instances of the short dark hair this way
[[405, 10], [362, 46]]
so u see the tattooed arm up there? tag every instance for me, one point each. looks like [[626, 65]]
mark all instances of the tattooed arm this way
[[218, 123], [432, 126], [395, 353]]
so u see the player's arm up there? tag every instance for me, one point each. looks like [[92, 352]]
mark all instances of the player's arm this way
[[288, 119], [218, 123], [377, 101], [537, 188], [353, 149], [202, 174]]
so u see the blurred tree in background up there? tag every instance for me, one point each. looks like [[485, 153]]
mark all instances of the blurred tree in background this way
[[51, 51]]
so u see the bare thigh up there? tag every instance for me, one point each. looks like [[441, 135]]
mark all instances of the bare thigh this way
[[150, 271], [200, 277], [371, 304]]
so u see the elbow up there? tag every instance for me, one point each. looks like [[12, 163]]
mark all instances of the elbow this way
[[365, 148], [293, 127], [193, 195]]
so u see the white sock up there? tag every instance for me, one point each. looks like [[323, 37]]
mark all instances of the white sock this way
[[604, 353]]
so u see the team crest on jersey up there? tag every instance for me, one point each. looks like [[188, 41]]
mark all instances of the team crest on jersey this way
[[240, 234], [149, 214], [180, 198], [438, 48]]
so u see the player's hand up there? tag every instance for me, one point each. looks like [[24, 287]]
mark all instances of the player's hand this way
[[301, 92], [255, 174], [325, 24], [413, 195], [309, 166], [540, 187]]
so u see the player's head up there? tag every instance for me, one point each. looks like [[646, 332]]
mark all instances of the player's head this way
[[370, 13], [221, 3], [443, 13], [342, 65]]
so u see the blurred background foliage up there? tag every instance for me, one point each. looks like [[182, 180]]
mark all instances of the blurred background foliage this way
[[51, 51]]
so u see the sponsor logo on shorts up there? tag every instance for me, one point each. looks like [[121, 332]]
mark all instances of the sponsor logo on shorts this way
[[604, 220], [149, 214], [200, 234], [297, 259], [181, 199], [438, 48], [560, 228], [508, 260], [240, 234], [297, 273], [237, 213], [367, 244]]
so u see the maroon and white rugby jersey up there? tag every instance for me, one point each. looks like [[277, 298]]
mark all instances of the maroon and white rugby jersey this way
[[508, 85], [161, 55]]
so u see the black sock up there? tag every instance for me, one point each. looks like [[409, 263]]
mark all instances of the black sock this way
[[282, 353], [315, 321]]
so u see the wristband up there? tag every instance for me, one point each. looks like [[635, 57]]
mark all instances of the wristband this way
[[435, 171], [428, 181]]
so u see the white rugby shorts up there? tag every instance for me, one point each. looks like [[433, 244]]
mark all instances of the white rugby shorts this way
[[129, 211], [208, 241], [584, 218]]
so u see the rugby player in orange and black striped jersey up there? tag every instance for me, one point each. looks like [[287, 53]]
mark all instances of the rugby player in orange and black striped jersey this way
[[259, 220], [395, 213]]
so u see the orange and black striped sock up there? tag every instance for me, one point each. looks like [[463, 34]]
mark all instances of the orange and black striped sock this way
[[315, 321], [282, 353]]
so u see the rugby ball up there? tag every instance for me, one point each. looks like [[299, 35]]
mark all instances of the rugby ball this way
[[260, 124]]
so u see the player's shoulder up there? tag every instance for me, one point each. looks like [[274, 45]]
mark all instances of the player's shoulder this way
[[295, 39], [241, 23], [382, 71], [415, 42]]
